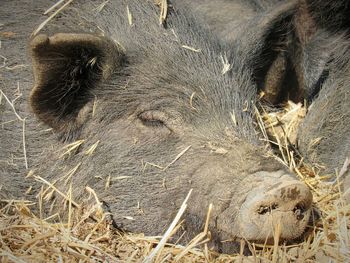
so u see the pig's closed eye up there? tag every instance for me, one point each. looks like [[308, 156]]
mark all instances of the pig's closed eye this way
[[155, 119]]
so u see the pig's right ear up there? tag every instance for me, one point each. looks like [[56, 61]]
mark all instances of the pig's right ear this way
[[67, 67], [273, 44]]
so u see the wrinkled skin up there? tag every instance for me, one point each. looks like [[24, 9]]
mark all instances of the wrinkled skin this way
[[144, 98]]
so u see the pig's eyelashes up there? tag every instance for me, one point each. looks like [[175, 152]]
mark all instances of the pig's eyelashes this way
[[156, 119]]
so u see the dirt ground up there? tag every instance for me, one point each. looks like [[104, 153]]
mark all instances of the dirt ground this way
[[18, 19]]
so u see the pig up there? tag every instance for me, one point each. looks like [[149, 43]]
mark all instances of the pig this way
[[155, 114], [308, 64], [323, 138]]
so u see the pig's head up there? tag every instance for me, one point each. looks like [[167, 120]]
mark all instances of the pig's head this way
[[166, 120]]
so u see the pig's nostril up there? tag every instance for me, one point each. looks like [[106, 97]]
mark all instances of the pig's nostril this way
[[263, 209], [299, 210]]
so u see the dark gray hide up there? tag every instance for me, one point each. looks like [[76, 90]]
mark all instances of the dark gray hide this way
[[144, 96], [324, 136], [304, 60]]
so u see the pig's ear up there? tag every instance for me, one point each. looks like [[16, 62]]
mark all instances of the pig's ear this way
[[67, 67], [275, 42]]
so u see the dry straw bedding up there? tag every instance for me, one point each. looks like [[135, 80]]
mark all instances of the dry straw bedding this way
[[88, 236]]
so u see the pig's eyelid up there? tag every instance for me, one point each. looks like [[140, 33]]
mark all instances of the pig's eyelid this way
[[153, 119]]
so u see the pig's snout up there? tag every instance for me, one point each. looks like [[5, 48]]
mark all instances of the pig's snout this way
[[284, 203], [293, 197]]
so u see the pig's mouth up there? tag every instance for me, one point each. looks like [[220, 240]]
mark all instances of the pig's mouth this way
[[281, 224], [299, 234], [268, 236]]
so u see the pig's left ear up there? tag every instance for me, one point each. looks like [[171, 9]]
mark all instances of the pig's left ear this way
[[66, 69]]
